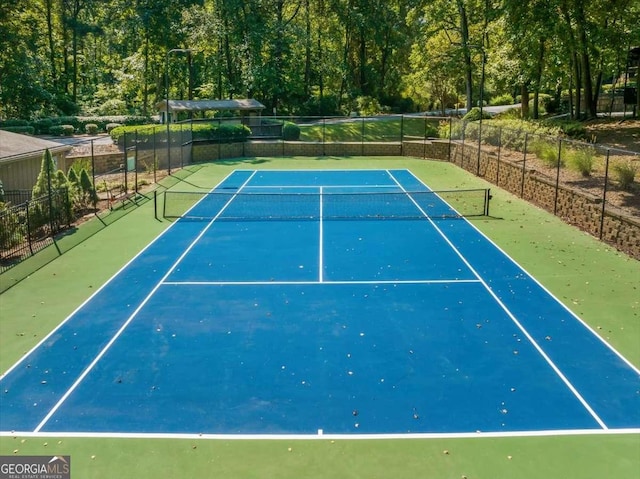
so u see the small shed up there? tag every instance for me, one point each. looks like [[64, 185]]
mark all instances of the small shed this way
[[21, 159], [245, 107]]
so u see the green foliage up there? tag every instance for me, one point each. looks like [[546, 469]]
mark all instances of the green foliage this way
[[474, 115], [24, 130], [89, 194], [367, 106], [290, 131], [225, 132], [45, 177], [626, 173], [581, 159], [113, 106], [504, 99], [62, 130], [91, 128], [571, 128], [547, 152], [11, 228]]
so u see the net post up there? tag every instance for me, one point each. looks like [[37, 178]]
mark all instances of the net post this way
[[487, 201], [155, 204], [164, 204]]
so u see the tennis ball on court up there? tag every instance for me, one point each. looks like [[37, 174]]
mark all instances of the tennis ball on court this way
[[289, 449]]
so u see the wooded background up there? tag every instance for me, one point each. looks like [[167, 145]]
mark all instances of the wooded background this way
[[310, 57]]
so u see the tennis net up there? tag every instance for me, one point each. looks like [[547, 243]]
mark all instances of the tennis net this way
[[252, 205]]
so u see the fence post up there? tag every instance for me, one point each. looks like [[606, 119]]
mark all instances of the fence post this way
[[93, 167], [29, 229], [135, 164], [498, 160], [450, 135], [50, 190], [402, 134], [524, 164], [479, 146], [154, 158], [555, 199], [604, 192], [324, 124], [362, 138], [124, 165]]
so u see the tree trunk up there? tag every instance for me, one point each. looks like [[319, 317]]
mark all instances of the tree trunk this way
[[52, 53], [464, 33], [538, 79], [524, 95]]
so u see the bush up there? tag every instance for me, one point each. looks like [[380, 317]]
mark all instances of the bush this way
[[626, 173], [62, 130], [571, 128], [112, 107], [91, 128], [367, 106], [11, 228], [25, 130], [12, 123], [290, 131], [581, 160], [547, 152], [111, 126], [43, 125], [505, 99], [474, 114]]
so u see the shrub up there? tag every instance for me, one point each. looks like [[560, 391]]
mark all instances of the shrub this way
[[13, 122], [290, 131], [43, 125], [547, 152], [581, 160], [505, 99], [367, 106], [88, 192], [112, 107], [25, 130], [11, 228], [571, 128], [626, 173], [91, 128], [474, 114], [111, 126], [62, 130]]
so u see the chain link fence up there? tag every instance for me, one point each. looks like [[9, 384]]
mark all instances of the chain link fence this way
[[590, 185]]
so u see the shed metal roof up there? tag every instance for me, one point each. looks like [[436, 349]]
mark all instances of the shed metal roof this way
[[207, 105], [14, 146]]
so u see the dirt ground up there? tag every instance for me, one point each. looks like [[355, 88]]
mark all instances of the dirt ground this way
[[616, 133]]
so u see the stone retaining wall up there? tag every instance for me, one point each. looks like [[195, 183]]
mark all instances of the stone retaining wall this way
[[573, 206]]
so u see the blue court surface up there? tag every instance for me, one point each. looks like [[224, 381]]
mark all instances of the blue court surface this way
[[321, 302]]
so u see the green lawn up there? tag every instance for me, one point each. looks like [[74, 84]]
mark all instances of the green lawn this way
[[382, 128], [598, 283]]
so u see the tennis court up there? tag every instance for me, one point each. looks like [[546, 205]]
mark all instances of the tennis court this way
[[321, 302]]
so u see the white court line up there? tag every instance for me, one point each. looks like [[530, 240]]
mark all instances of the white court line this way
[[325, 435], [564, 306], [95, 293], [306, 283], [104, 350], [535, 344], [321, 240]]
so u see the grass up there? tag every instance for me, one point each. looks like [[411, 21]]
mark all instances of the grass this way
[[390, 128], [626, 173], [595, 281]]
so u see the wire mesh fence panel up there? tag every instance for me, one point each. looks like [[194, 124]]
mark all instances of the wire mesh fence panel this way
[[28, 228]]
